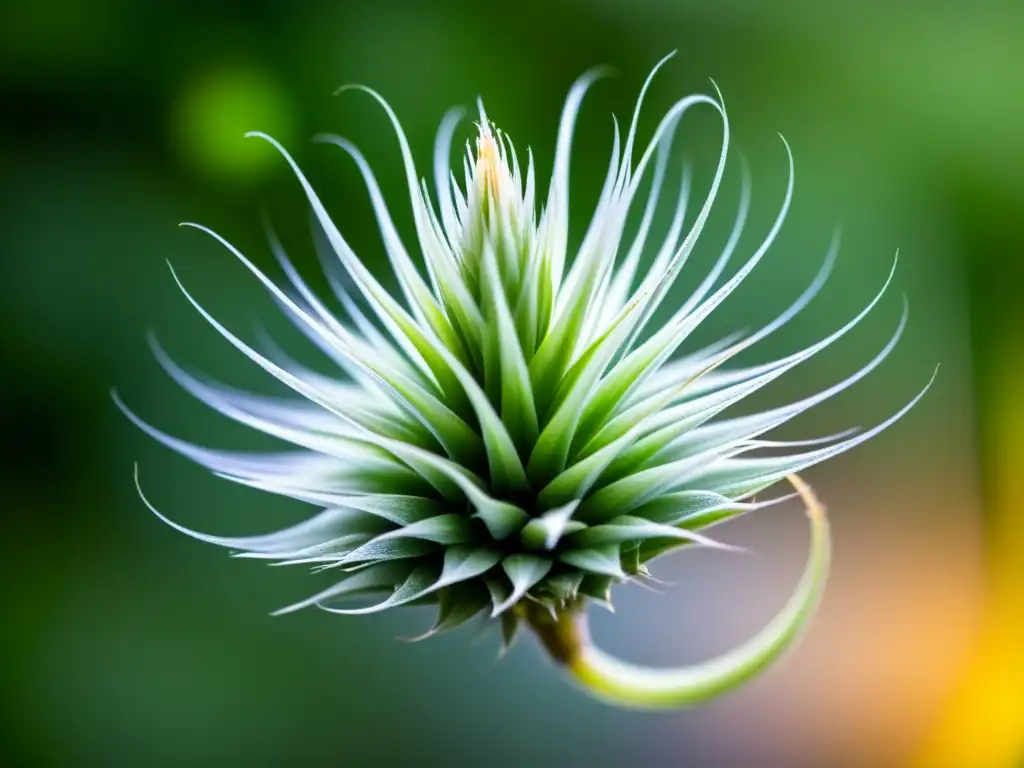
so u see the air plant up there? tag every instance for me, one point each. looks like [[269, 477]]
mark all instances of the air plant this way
[[513, 435]]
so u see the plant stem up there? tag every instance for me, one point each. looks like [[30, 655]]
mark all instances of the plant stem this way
[[566, 638]]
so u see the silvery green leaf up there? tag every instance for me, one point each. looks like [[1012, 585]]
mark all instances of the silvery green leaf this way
[[627, 528], [457, 604], [379, 576], [545, 531], [509, 631], [603, 560], [462, 563], [741, 477], [414, 587], [523, 571], [444, 530], [383, 549], [598, 588], [563, 587]]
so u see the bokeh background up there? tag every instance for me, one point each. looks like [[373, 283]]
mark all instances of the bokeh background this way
[[124, 643]]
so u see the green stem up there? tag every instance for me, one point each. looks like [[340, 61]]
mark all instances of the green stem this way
[[617, 682]]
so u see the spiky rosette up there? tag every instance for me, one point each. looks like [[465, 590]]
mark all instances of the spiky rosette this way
[[512, 436]]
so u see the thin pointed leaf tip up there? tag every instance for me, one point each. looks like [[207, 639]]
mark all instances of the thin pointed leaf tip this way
[[511, 433]]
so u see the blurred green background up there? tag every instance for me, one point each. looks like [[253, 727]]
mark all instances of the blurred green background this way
[[126, 644]]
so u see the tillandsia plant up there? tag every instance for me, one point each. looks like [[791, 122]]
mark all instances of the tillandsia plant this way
[[512, 435]]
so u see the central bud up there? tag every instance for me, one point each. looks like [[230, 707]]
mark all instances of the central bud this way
[[490, 166], [497, 219]]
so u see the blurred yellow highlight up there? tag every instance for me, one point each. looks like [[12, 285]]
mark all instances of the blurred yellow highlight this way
[[984, 723]]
